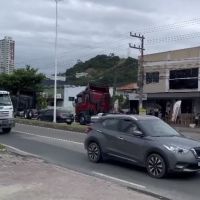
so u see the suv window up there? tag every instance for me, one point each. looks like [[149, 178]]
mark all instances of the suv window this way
[[111, 124], [128, 126]]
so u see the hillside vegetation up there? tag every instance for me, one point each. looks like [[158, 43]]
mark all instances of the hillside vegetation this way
[[103, 69]]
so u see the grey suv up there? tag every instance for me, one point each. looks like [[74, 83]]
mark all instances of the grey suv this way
[[146, 141]]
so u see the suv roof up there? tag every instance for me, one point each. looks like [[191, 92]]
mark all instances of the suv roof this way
[[135, 117]]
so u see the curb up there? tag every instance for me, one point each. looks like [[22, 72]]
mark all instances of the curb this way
[[17, 151], [187, 129], [57, 126]]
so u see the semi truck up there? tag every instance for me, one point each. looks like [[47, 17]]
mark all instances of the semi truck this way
[[93, 100], [6, 112]]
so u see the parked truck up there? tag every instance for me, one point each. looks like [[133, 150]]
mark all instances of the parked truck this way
[[6, 112], [25, 105], [93, 100]]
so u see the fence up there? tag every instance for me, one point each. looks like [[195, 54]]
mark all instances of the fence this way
[[184, 119]]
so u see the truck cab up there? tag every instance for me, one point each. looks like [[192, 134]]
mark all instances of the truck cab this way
[[6, 112]]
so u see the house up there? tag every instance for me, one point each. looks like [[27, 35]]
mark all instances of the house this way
[[171, 76], [127, 89]]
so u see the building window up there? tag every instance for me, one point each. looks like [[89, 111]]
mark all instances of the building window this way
[[184, 79], [71, 99], [152, 77]]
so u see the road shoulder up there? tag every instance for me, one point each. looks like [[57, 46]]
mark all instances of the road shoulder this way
[[27, 177]]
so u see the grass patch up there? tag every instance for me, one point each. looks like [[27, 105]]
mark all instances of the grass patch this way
[[2, 148], [75, 127]]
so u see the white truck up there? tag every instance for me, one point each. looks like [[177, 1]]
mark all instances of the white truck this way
[[7, 121]]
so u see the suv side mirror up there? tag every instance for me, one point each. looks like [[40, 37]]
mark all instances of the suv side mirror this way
[[138, 133]]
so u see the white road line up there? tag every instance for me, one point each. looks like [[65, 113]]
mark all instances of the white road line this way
[[46, 137], [118, 180]]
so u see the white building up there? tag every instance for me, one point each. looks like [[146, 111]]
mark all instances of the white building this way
[[58, 78], [70, 93], [7, 55], [81, 74]]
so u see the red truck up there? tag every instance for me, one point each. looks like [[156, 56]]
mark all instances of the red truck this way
[[93, 100]]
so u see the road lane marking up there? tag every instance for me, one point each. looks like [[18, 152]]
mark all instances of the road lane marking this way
[[47, 137], [118, 180]]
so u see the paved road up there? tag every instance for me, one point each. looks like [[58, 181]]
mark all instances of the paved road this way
[[66, 149]]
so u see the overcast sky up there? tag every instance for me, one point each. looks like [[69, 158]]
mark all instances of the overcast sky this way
[[91, 27]]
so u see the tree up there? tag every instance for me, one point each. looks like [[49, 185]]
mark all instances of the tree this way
[[25, 79], [41, 102]]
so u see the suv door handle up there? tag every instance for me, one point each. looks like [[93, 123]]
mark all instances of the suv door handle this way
[[121, 138], [99, 131]]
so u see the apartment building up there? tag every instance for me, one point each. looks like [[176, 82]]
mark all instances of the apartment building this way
[[7, 55], [171, 76]]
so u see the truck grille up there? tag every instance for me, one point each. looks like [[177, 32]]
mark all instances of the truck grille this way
[[196, 151], [4, 114]]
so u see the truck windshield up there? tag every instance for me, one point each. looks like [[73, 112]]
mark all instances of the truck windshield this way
[[5, 100]]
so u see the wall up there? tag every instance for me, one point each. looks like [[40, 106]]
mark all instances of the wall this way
[[164, 62]]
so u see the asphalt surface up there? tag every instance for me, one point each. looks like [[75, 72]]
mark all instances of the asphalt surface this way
[[66, 149]]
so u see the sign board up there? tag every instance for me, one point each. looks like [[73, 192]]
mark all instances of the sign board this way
[[142, 111], [176, 110], [136, 97]]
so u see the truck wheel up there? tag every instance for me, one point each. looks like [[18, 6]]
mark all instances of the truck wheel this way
[[30, 114], [25, 115], [6, 130], [82, 119]]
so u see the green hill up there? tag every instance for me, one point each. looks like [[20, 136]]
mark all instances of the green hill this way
[[103, 69]]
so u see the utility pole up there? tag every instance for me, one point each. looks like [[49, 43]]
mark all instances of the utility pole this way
[[56, 64], [140, 67]]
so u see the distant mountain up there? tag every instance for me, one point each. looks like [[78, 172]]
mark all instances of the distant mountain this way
[[102, 69]]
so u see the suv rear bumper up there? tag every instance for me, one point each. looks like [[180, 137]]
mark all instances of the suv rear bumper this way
[[7, 123]]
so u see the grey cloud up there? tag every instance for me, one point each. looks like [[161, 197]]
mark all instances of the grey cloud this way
[[90, 27]]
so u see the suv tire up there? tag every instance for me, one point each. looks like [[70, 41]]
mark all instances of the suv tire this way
[[94, 152], [156, 166]]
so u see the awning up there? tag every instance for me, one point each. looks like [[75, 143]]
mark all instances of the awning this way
[[173, 95]]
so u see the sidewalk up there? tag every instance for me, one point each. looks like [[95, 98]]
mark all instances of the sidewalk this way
[[23, 178], [193, 133]]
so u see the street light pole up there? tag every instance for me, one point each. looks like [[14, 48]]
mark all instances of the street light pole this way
[[56, 64]]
